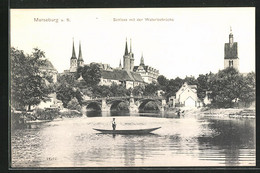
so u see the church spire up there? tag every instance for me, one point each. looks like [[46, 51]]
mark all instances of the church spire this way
[[73, 51], [230, 37], [126, 49], [120, 65], [142, 60], [130, 45], [80, 53]]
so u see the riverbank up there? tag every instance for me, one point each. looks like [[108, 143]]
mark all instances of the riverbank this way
[[41, 115], [230, 112]]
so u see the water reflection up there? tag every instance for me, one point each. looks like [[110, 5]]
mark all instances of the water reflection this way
[[93, 113], [72, 142]]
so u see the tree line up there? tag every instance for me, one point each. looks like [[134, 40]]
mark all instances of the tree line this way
[[30, 85], [224, 88]]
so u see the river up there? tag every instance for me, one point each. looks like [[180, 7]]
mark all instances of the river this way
[[181, 141]]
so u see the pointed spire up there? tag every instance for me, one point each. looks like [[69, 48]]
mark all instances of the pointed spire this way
[[231, 36], [80, 53], [230, 31], [142, 60], [120, 65], [130, 45], [73, 51], [126, 49]]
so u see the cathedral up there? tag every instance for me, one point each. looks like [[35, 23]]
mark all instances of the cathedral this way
[[231, 56], [128, 75], [148, 74], [74, 61]]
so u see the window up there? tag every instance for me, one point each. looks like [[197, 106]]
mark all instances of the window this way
[[230, 63]]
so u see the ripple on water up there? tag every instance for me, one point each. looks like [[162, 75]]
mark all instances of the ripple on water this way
[[73, 142]]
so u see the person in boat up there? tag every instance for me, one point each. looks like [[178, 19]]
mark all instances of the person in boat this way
[[114, 124], [179, 113]]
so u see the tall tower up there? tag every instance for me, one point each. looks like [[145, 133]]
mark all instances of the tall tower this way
[[131, 55], [80, 59], [73, 60], [142, 61], [126, 58], [231, 54]]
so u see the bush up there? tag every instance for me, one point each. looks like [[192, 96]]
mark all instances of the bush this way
[[46, 114], [74, 105], [71, 113]]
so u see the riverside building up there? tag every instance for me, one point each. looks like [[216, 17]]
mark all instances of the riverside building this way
[[127, 75]]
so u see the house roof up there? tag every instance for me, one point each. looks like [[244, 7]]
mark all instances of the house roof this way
[[193, 88], [146, 68], [137, 77], [121, 75]]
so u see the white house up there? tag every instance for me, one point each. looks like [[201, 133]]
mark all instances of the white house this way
[[186, 96]]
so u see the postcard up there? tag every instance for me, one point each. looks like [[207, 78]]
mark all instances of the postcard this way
[[132, 87]]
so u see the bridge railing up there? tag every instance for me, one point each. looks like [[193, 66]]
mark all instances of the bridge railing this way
[[125, 97]]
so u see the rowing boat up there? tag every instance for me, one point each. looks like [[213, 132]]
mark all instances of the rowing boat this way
[[137, 131]]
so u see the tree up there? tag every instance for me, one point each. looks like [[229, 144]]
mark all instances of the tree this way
[[173, 86], [74, 104], [225, 86], [91, 74], [67, 78], [190, 80], [138, 90], [150, 89], [101, 91], [163, 82], [64, 92], [119, 90], [79, 72], [202, 86], [247, 92], [28, 82], [66, 89]]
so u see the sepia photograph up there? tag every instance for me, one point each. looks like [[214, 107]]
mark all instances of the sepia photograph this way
[[132, 87]]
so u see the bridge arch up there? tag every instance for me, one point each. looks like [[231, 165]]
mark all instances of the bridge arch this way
[[93, 106], [117, 105], [149, 105]]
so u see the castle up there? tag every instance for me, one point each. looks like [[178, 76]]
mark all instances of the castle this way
[[231, 56], [148, 74], [128, 75]]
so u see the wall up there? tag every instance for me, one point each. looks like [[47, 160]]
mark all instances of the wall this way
[[235, 63]]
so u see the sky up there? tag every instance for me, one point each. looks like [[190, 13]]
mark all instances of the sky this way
[[190, 42]]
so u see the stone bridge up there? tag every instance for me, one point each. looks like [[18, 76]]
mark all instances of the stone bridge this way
[[134, 103]]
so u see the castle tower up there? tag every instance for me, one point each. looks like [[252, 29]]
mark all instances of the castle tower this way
[[142, 61], [131, 55], [73, 60], [126, 58], [231, 54], [80, 59]]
